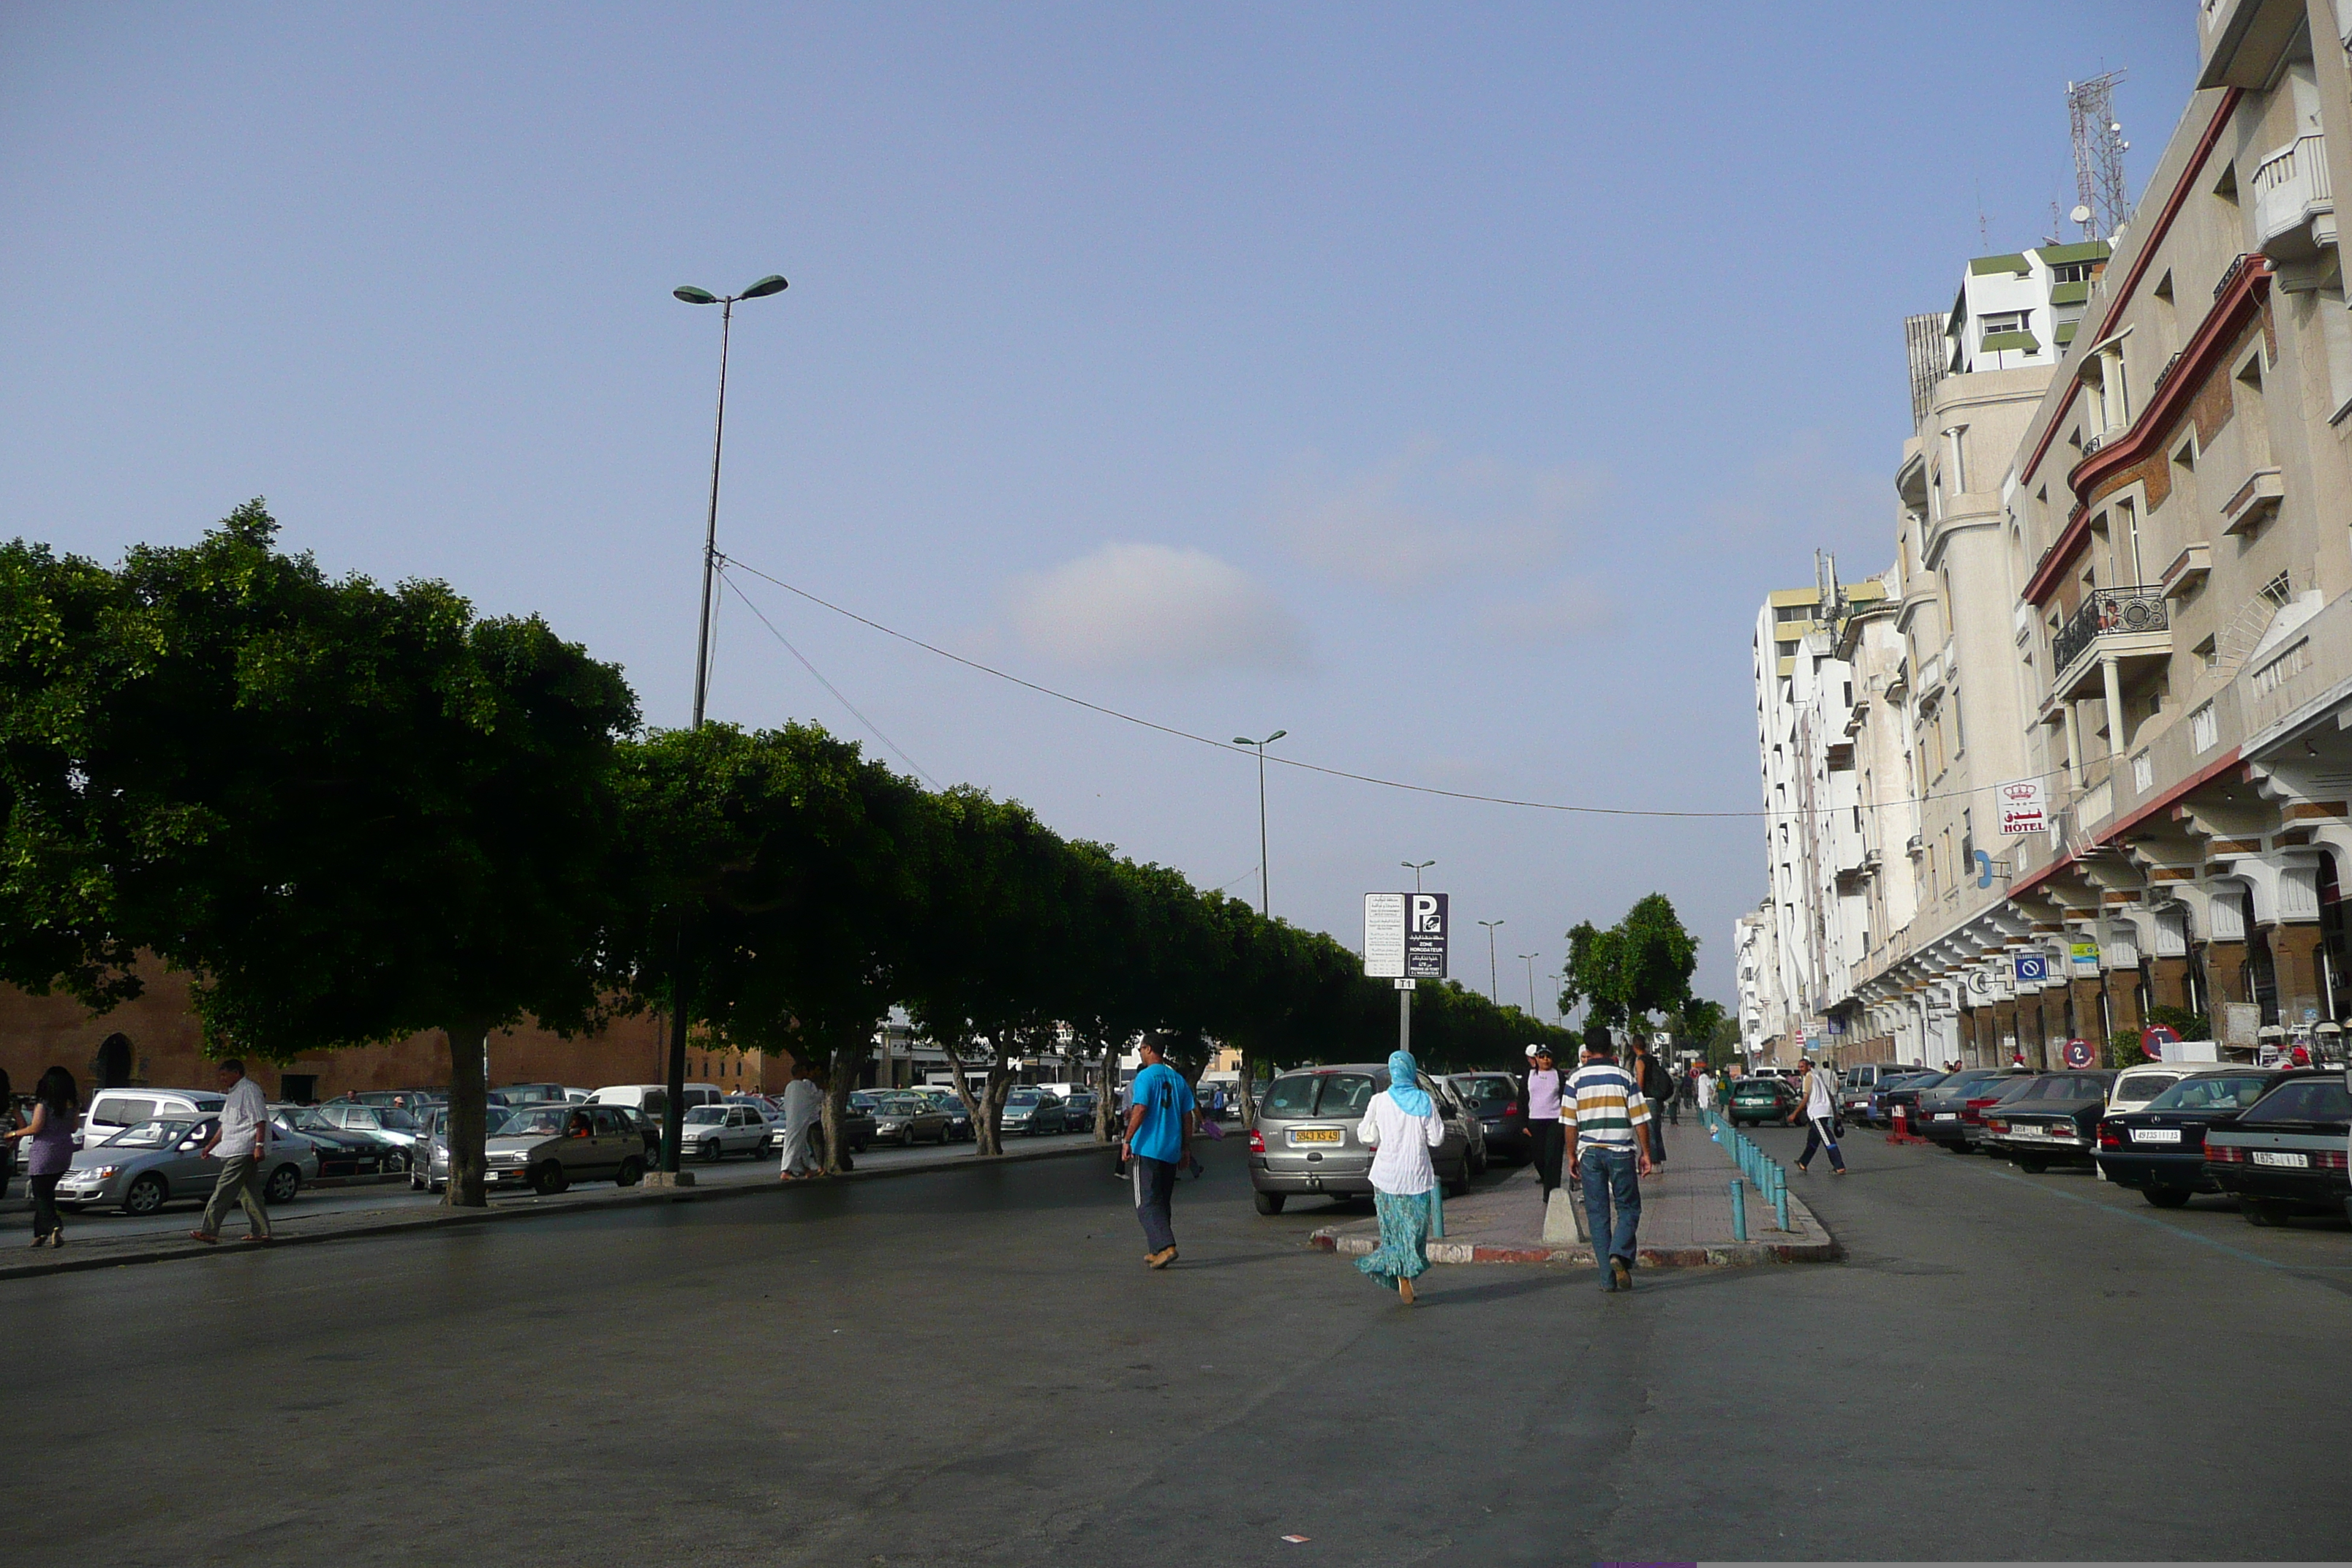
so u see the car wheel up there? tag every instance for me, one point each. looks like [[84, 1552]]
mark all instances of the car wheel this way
[[630, 1173], [395, 1162], [714, 1151], [416, 1184], [1269, 1202], [2261, 1211], [146, 1196], [2165, 1197], [549, 1179], [283, 1184], [2032, 1167]]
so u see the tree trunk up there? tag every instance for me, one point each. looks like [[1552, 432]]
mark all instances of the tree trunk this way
[[469, 1085], [992, 1104], [963, 1094], [844, 1058], [1102, 1094]]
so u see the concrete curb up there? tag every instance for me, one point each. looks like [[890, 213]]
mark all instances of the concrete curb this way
[[367, 1224]]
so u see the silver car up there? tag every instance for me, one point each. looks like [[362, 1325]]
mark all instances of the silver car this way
[[143, 1167], [550, 1146], [908, 1119], [1304, 1141], [390, 1125], [714, 1131]]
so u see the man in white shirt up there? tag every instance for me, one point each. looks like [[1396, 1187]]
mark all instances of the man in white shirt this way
[[1820, 1091], [804, 1108], [240, 1138]]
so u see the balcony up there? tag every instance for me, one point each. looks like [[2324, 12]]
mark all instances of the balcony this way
[[2294, 204], [2120, 623]]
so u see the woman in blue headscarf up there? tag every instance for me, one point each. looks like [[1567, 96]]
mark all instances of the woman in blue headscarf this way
[[1401, 1127]]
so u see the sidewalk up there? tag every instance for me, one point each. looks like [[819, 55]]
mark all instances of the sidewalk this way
[[291, 1227], [1686, 1220]]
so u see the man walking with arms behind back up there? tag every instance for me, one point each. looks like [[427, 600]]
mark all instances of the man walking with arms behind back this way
[[1160, 1108], [239, 1140], [1604, 1117]]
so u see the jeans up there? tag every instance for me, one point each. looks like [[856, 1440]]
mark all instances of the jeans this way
[[1609, 1174], [1155, 1190], [1675, 1108], [1550, 1138], [1818, 1136], [1657, 1133], [240, 1183], [45, 1203]]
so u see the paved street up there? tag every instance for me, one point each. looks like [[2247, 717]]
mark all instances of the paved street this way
[[973, 1367]]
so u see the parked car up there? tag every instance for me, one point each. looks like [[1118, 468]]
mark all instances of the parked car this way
[[1078, 1108], [2284, 1154], [387, 1124], [653, 1099], [1952, 1113], [1454, 1107], [112, 1109], [1903, 1092], [856, 1126], [139, 1169], [2134, 1086], [959, 1120], [408, 1099], [549, 1146], [1500, 1105], [341, 1153], [1755, 1100], [2160, 1148], [1033, 1112], [908, 1119], [2053, 1121], [714, 1131], [1304, 1142]]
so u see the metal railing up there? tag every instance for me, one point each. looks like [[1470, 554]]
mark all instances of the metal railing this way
[[2107, 612]]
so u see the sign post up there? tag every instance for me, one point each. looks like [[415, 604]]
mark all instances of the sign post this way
[[1405, 940]]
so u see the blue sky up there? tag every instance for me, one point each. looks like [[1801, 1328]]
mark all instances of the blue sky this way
[[1444, 384]]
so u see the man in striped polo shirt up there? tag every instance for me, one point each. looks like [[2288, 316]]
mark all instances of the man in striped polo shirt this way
[[1603, 1116]]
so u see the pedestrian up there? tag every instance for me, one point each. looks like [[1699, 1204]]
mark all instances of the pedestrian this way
[[48, 1150], [1160, 1111], [1703, 1085], [804, 1108], [9, 1122], [1656, 1089], [1605, 1116], [239, 1140], [1400, 1126], [1819, 1092], [1544, 1082]]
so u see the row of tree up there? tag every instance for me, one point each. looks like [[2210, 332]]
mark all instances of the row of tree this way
[[353, 813]]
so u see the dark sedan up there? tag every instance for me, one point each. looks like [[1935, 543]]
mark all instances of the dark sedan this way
[[2053, 1121], [2158, 1150], [1904, 1092], [2284, 1154], [1761, 1099], [1952, 1113], [1501, 1107]]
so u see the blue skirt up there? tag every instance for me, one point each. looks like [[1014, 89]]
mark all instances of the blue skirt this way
[[1404, 1233]]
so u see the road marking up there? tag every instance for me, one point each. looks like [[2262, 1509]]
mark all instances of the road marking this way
[[2239, 1253]]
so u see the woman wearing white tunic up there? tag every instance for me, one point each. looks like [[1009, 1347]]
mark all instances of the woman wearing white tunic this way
[[1401, 1126], [803, 1109]]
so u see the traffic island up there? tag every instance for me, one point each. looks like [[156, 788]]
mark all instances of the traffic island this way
[[1686, 1221]]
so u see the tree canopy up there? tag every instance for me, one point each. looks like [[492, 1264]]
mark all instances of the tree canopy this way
[[1640, 966]]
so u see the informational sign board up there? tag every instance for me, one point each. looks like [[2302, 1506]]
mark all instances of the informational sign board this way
[[1384, 936], [2032, 968], [2022, 807], [1428, 920], [2079, 1054], [2086, 958]]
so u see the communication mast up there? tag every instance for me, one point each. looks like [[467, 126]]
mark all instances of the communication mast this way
[[2101, 205]]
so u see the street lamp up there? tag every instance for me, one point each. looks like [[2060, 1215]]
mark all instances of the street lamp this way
[[1416, 867], [1491, 987], [1557, 1015], [1264, 906], [674, 1117], [1531, 958]]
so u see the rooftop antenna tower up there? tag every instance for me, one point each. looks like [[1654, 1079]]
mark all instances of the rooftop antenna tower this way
[[2101, 206]]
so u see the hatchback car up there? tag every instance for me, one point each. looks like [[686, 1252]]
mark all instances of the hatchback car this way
[[1500, 1105], [1304, 1143], [141, 1168], [2053, 1121], [1755, 1100], [1032, 1112], [550, 1146], [2160, 1149], [1902, 1092], [714, 1131], [2284, 1154], [2134, 1086]]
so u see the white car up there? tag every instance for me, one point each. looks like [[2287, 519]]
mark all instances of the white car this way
[[715, 1132], [2134, 1086]]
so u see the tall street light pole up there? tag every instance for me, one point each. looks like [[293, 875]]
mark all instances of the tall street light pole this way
[[1493, 990], [1264, 905], [1531, 958], [1416, 867], [674, 1115]]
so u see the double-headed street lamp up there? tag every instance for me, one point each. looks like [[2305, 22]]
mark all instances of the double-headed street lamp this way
[[1492, 989], [1264, 906], [1416, 867], [674, 1117], [1530, 958]]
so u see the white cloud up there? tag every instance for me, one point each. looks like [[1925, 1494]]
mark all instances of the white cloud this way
[[1419, 516], [1559, 612], [1153, 609]]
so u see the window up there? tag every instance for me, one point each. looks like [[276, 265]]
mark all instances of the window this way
[[2006, 321], [2204, 729], [2208, 654], [2283, 669], [2127, 542], [2071, 272], [2143, 773]]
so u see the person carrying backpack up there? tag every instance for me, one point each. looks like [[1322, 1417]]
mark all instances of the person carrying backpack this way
[[1817, 1103]]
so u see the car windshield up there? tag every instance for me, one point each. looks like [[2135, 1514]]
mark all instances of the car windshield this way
[[706, 1116], [150, 1135], [862, 1101], [2231, 1091], [1490, 1090], [2297, 1099], [1917, 1080], [397, 1120], [533, 1121], [1023, 1097]]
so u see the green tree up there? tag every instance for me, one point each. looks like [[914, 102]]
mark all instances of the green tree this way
[[1640, 966]]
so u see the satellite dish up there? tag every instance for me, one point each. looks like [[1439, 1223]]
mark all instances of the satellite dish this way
[[2079, 214]]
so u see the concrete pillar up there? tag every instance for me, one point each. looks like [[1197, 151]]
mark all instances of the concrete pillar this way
[[2225, 975], [2122, 998], [2089, 1024], [2004, 1040], [2295, 949], [2117, 740], [2168, 982]]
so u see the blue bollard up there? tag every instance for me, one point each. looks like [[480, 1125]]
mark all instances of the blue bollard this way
[[1780, 1205], [1738, 1209]]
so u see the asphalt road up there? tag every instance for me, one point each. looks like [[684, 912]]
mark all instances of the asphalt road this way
[[974, 1367]]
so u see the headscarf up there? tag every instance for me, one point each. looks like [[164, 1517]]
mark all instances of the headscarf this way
[[1404, 1085]]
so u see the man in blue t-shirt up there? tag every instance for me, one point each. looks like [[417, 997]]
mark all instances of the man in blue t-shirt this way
[[1159, 1107]]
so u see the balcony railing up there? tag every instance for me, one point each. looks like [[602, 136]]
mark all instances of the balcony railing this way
[[2108, 610], [2291, 189]]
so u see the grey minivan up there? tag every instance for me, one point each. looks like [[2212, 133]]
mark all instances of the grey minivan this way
[[1304, 1141]]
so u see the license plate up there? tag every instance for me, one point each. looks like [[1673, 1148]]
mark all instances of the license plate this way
[[1315, 1135], [1947, 1116], [2155, 1134], [2280, 1157]]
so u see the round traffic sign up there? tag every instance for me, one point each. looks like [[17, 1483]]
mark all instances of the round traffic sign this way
[[2078, 1053]]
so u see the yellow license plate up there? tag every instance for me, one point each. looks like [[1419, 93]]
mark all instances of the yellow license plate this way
[[1316, 1135]]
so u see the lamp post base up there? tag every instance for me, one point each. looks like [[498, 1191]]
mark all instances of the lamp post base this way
[[669, 1178]]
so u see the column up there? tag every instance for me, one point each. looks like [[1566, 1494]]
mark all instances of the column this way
[[2089, 1024], [2168, 982], [2123, 999], [2004, 1040], [2114, 685], [2295, 949]]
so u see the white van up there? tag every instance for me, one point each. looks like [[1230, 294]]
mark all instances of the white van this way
[[112, 1109], [651, 1100]]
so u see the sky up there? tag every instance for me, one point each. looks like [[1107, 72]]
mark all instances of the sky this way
[[1444, 385]]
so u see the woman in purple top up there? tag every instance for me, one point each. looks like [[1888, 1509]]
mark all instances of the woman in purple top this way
[[48, 1143], [1544, 1082]]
